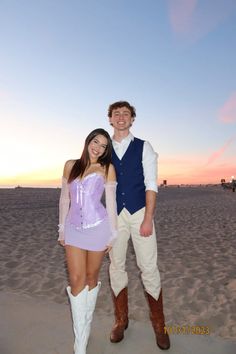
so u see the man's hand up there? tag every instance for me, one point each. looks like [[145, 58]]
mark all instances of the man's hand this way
[[146, 228]]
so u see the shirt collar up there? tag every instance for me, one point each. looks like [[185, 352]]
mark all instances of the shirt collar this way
[[127, 139]]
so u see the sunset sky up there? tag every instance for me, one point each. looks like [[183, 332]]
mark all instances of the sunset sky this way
[[62, 62]]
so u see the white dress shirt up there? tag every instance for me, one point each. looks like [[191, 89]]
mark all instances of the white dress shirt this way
[[149, 160]]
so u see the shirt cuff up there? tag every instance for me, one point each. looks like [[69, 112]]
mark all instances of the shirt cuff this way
[[151, 187]]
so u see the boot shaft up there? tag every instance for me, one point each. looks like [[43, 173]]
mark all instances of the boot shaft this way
[[121, 305]]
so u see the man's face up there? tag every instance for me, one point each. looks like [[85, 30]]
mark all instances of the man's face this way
[[121, 119]]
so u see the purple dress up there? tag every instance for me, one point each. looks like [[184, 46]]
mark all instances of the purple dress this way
[[87, 225]]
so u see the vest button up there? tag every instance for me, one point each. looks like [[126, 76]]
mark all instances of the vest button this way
[[123, 193], [123, 203]]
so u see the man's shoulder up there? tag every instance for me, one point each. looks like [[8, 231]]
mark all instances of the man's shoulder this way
[[139, 140], [145, 144], [143, 141]]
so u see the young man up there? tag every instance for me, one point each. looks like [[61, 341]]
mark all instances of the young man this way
[[136, 169]]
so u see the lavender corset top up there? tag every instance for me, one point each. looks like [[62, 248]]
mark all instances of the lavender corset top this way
[[86, 209]]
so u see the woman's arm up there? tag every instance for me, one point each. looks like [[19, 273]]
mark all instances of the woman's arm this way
[[110, 197], [64, 202]]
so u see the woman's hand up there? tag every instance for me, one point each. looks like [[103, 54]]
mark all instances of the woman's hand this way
[[108, 249], [61, 243]]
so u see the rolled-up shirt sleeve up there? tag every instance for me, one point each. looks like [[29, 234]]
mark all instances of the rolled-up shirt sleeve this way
[[150, 168]]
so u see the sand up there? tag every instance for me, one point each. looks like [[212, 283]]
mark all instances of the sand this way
[[196, 234]]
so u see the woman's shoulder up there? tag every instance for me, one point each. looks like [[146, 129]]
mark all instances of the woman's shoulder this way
[[111, 176], [111, 168], [68, 167], [70, 163]]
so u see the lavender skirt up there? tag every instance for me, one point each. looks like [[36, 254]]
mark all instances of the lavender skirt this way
[[92, 239]]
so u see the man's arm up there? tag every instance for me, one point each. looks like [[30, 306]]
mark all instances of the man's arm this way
[[146, 227], [150, 181]]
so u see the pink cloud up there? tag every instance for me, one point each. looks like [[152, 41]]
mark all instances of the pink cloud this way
[[227, 113], [217, 154], [214, 174], [177, 160], [198, 173], [195, 18], [191, 169], [180, 13]]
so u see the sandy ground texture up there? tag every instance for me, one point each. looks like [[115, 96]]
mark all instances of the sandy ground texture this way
[[39, 326], [196, 234]]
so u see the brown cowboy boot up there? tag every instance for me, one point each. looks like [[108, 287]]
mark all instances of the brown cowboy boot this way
[[121, 316], [158, 321]]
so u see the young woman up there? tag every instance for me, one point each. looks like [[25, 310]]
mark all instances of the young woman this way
[[87, 229]]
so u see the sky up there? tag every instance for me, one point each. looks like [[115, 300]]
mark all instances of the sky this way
[[63, 62]]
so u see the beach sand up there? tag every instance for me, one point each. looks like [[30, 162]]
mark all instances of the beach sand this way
[[196, 235]]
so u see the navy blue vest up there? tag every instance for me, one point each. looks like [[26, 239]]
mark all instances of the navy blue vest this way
[[130, 192]]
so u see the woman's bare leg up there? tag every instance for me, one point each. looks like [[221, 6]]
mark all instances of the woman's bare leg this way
[[76, 262], [94, 262]]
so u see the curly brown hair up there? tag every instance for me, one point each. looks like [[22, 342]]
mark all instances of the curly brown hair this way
[[120, 104]]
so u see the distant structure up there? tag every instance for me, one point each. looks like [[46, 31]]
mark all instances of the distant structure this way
[[164, 183], [233, 182], [229, 185]]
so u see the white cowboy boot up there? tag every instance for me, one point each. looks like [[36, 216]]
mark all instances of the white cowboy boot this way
[[78, 310], [91, 303]]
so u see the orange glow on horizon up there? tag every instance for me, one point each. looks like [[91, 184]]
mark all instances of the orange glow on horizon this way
[[42, 178], [190, 174]]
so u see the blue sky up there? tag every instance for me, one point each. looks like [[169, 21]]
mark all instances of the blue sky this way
[[63, 62]]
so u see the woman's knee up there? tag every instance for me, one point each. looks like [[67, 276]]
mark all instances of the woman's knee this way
[[92, 278], [77, 280]]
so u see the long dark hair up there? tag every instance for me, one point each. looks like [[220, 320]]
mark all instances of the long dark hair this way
[[84, 161]]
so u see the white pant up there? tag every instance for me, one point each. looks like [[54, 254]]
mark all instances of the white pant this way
[[146, 254]]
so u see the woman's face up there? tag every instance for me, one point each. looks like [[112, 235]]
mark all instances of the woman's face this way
[[97, 147]]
